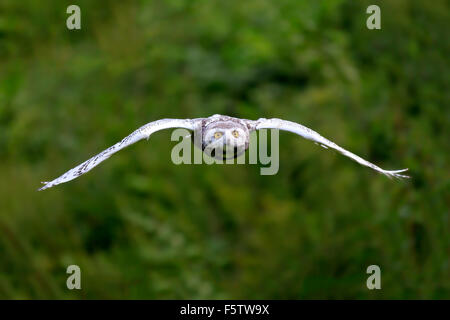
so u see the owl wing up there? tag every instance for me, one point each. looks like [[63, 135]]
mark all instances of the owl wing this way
[[141, 133], [309, 134]]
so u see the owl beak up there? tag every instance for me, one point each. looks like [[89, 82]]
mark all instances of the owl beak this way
[[229, 141]]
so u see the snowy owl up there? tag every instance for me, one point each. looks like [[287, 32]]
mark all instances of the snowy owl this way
[[225, 131]]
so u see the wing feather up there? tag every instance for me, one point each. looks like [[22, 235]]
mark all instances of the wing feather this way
[[309, 134], [139, 134]]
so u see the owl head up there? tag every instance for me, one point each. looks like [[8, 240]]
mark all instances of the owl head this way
[[225, 139]]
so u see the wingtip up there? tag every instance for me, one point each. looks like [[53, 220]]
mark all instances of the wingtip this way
[[45, 186], [401, 170], [396, 174]]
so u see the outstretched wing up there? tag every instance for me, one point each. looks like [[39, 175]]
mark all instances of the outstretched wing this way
[[317, 138], [141, 133]]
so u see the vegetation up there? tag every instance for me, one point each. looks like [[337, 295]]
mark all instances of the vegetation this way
[[141, 227]]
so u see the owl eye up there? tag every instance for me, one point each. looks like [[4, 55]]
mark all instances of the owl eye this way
[[217, 135], [235, 133]]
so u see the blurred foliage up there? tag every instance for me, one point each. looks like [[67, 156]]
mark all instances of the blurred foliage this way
[[141, 227]]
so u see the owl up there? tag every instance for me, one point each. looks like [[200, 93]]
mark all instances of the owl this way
[[221, 137]]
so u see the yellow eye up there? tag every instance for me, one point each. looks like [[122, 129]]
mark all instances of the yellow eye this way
[[217, 135], [235, 134]]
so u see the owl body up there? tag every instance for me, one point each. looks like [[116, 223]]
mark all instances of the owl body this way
[[224, 137]]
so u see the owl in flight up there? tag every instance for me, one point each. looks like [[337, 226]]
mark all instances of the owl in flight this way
[[214, 131]]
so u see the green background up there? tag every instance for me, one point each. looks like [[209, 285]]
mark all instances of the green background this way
[[141, 227]]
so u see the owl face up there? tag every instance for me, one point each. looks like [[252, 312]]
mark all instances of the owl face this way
[[225, 139]]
